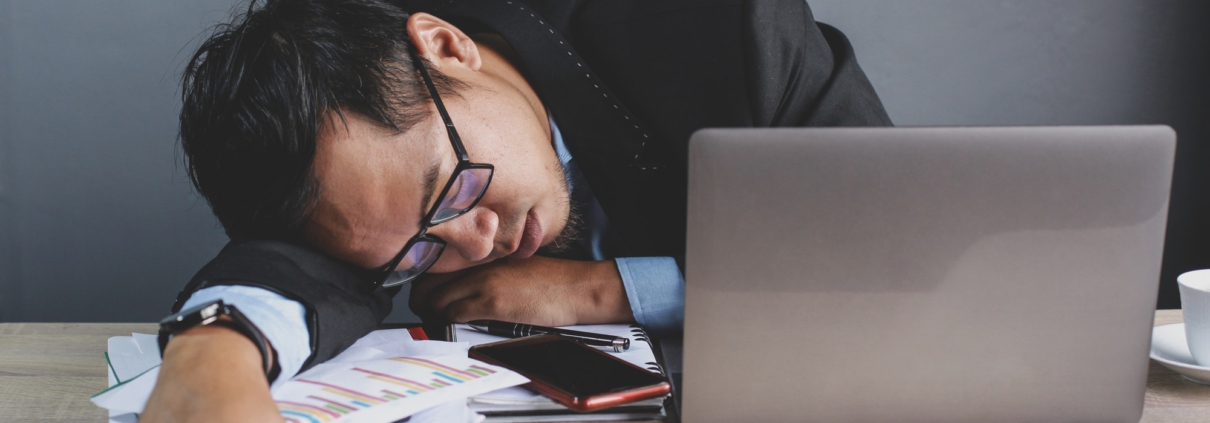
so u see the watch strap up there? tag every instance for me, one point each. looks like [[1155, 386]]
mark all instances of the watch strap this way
[[246, 328], [239, 323]]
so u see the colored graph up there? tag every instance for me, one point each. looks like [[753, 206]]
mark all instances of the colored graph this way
[[361, 387]]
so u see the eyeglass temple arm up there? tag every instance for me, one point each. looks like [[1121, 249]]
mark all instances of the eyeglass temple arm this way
[[445, 116]]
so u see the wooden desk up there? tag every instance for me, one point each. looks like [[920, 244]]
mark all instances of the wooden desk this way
[[1171, 397], [49, 370]]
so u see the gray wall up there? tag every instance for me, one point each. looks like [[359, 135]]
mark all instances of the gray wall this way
[[98, 223], [98, 220], [1051, 62]]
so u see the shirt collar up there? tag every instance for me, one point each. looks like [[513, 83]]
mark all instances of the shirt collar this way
[[557, 139], [561, 150]]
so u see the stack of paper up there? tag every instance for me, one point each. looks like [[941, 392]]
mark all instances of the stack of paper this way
[[129, 358], [384, 377], [518, 404]]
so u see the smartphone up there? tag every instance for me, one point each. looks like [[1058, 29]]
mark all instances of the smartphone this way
[[573, 374]]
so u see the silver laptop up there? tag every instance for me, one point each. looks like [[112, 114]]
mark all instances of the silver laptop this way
[[923, 274]]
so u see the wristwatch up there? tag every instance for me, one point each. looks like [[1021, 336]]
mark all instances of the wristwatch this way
[[209, 314]]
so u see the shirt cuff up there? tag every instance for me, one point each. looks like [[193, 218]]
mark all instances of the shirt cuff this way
[[282, 321], [656, 291]]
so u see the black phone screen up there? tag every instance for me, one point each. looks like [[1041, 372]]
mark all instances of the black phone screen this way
[[570, 366]]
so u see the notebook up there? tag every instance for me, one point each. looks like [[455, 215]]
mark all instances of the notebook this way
[[520, 404]]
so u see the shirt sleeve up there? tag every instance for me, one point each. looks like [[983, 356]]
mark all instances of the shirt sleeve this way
[[656, 291], [281, 320]]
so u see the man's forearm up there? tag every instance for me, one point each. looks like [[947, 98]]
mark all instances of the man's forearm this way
[[211, 374], [606, 301], [537, 290]]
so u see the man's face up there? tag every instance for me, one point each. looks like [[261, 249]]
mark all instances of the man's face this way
[[373, 181]]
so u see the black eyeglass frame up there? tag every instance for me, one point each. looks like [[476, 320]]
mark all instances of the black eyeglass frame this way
[[464, 163]]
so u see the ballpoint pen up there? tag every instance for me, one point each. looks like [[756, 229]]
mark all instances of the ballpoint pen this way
[[517, 330]]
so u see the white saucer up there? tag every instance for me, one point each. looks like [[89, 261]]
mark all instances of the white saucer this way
[[1168, 347]]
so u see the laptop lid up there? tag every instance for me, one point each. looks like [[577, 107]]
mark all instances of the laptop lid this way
[[923, 274]]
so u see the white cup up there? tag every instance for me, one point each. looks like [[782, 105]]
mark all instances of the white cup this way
[[1195, 305]]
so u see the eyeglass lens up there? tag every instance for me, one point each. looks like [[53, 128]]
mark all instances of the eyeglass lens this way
[[419, 258], [468, 186], [463, 194]]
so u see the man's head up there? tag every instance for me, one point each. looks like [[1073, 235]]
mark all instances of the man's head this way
[[307, 120]]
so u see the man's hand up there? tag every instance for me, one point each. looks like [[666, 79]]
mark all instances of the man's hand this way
[[211, 374], [536, 290]]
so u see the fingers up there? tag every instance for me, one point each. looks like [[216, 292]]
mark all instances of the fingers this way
[[459, 289], [476, 295], [471, 308], [418, 299], [534, 290]]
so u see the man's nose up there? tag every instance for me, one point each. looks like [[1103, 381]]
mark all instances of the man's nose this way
[[471, 235]]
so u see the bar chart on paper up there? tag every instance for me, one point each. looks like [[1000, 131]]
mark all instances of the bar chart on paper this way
[[386, 389]]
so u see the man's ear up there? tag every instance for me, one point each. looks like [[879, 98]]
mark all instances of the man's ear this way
[[442, 43]]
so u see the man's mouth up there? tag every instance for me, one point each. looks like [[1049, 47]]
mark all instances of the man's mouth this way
[[531, 237]]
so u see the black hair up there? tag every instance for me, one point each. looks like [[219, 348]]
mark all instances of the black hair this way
[[259, 90]]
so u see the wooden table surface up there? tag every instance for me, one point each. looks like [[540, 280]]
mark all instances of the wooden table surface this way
[[48, 371]]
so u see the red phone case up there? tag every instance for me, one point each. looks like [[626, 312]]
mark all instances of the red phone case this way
[[586, 404]]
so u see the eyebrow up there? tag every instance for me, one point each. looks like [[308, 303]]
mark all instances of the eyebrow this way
[[430, 185]]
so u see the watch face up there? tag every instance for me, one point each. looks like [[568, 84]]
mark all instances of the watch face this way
[[194, 316]]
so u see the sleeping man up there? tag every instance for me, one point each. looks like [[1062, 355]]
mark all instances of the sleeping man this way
[[512, 160]]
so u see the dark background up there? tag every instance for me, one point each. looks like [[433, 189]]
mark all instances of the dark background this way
[[98, 221]]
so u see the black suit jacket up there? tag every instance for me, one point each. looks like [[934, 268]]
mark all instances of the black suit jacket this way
[[628, 82]]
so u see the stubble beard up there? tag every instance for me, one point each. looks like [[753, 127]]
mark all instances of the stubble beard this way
[[575, 221]]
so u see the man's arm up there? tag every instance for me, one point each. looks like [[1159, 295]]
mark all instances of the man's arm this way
[[557, 292], [205, 368], [211, 374], [340, 305], [205, 375], [537, 290], [281, 320]]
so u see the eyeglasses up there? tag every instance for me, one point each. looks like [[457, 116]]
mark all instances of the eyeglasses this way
[[463, 191]]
